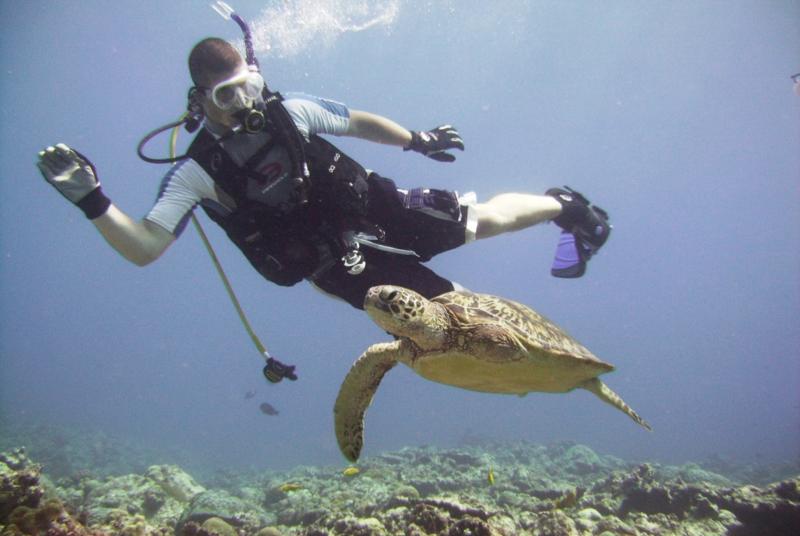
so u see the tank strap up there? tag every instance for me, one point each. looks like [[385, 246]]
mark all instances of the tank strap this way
[[283, 128]]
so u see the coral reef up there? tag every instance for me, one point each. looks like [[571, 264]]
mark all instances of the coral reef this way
[[222, 506], [23, 508], [148, 503], [19, 482], [556, 490]]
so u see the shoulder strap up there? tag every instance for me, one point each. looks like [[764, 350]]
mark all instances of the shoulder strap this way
[[283, 127]]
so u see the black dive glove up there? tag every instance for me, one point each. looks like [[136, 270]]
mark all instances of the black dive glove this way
[[275, 371], [75, 177], [434, 143]]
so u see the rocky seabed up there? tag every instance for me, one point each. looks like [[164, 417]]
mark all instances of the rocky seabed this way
[[556, 490]]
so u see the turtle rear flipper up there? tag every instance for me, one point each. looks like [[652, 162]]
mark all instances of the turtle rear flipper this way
[[356, 392], [605, 394]]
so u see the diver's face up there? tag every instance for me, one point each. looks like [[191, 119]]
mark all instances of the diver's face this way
[[224, 117]]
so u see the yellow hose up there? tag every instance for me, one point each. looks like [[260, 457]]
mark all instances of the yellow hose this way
[[173, 140]]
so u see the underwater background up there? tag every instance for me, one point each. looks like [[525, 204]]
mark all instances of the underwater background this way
[[678, 118]]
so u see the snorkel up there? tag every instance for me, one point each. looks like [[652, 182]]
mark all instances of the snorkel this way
[[251, 119], [227, 13]]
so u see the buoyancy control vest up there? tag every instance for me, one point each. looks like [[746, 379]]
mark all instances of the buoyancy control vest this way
[[289, 205]]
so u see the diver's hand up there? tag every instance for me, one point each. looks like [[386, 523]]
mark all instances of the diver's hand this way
[[74, 177], [70, 174], [435, 143]]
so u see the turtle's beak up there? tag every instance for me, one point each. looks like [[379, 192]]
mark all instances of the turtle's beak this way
[[373, 304], [381, 304], [372, 300]]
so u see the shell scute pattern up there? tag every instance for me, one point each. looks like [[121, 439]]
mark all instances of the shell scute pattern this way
[[531, 327]]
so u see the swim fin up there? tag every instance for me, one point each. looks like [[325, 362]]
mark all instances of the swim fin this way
[[585, 229], [569, 262]]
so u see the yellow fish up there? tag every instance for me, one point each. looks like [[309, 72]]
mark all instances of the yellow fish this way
[[290, 486], [490, 477], [351, 471]]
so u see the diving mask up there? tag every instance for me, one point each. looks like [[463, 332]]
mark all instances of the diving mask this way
[[237, 92]]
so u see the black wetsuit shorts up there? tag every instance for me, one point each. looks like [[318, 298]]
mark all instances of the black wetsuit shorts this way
[[425, 221]]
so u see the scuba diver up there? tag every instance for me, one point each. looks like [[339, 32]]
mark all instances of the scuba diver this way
[[299, 208]]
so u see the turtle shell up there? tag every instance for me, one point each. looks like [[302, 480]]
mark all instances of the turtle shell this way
[[533, 329], [499, 345]]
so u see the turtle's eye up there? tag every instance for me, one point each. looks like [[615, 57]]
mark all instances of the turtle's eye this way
[[388, 295]]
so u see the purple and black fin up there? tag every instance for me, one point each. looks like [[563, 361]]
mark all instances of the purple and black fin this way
[[569, 261]]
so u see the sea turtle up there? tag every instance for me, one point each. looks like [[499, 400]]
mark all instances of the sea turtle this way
[[472, 341]]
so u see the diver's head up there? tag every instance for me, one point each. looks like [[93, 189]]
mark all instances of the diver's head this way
[[226, 84]]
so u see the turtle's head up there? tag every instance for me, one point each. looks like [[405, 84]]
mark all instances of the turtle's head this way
[[405, 313]]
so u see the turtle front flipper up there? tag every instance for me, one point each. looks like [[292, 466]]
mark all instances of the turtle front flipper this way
[[605, 394], [356, 392]]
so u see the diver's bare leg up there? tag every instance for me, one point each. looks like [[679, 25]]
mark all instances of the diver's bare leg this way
[[512, 212]]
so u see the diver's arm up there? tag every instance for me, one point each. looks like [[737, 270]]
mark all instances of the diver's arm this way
[[141, 242], [74, 176], [372, 127], [432, 143]]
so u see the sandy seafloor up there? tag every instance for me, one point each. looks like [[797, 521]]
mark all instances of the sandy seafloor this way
[[69, 483]]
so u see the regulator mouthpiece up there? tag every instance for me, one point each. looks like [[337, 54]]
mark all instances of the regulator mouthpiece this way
[[253, 120]]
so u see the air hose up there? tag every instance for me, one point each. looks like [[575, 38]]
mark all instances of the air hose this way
[[173, 140]]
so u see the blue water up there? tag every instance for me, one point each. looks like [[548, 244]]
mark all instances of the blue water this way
[[677, 117]]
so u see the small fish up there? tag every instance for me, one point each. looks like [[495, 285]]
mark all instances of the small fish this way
[[290, 486], [249, 394], [267, 409], [351, 471], [490, 476]]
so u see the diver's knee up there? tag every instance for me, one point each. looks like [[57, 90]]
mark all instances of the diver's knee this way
[[491, 221]]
